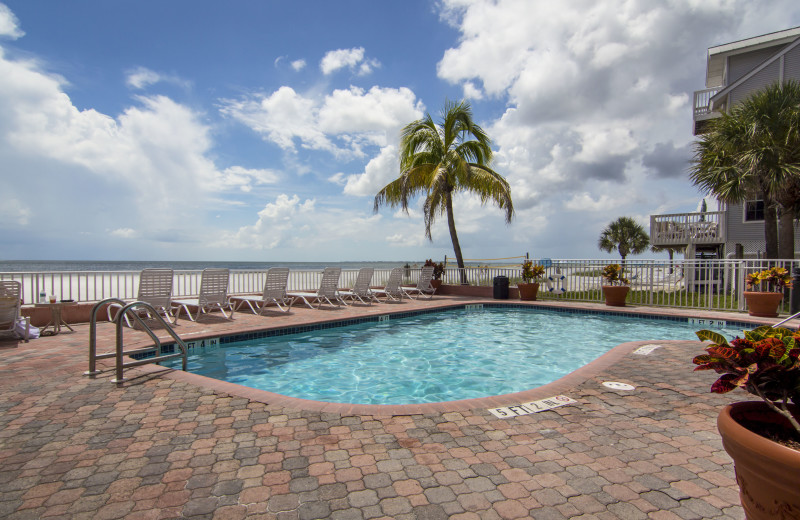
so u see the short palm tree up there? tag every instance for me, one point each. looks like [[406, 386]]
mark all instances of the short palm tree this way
[[441, 160], [626, 236], [753, 152]]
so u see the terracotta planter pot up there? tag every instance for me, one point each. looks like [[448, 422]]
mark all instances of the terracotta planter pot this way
[[615, 295], [528, 291], [767, 472], [763, 304], [436, 284]]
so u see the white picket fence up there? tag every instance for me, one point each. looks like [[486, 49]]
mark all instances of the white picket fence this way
[[706, 284]]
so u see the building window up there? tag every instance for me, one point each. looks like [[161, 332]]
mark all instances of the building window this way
[[753, 210]]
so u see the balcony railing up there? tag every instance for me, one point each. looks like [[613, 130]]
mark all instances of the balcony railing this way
[[681, 229], [702, 102]]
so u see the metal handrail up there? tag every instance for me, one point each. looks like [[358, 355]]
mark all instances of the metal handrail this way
[[119, 352], [793, 316], [93, 357]]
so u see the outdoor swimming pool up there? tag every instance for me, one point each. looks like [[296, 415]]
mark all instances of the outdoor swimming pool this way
[[434, 357]]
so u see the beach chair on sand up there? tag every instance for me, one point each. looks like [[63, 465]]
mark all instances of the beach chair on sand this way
[[10, 294], [155, 288], [274, 292], [213, 295], [361, 289], [392, 292], [328, 290], [424, 286]]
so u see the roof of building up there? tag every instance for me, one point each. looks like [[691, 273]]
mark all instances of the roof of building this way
[[717, 55]]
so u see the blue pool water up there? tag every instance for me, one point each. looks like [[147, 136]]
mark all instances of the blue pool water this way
[[444, 356]]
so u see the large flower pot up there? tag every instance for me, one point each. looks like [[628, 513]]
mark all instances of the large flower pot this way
[[528, 291], [768, 473], [615, 295], [436, 284], [763, 304]]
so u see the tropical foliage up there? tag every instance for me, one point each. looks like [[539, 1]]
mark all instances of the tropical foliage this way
[[766, 363], [626, 236], [753, 152], [531, 272], [612, 274], [438, 269], [775, 278], [440, 160]]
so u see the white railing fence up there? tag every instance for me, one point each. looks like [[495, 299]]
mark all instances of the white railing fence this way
[[93, 286], [702, 284]]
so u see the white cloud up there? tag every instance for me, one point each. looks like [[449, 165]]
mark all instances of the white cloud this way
[[152, 160], [124, 233], [471, 91], [341, 58], [142, 77], [14, 212], [593, 87], [281, 118], [379, 172], [244, 178], [347, 58], [298, 65], [292, 223], [9, 25], [342, 123]]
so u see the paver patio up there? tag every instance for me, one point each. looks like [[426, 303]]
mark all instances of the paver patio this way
[[167, 447]]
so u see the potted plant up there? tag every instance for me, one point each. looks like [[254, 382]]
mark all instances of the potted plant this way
[[531, 277], [616, 287], [765, 303], [438, 271], [762, 437]]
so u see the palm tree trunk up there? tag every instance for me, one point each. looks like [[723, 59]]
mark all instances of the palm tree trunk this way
[[770, 230], [451, 223], [786, 234]]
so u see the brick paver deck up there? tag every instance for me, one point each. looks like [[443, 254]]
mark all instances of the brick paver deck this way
[[170, 447]]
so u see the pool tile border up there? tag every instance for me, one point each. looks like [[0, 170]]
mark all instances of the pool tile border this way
[[299, 329], [560, 386]]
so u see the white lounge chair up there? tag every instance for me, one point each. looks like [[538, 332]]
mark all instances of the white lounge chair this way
[[328, 290], [213, 295], [274, 292], [361, 290], [155, 288], [10, 294], [392, 292], [424, 286]]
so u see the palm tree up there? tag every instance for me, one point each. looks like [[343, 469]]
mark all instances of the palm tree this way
[[626, 236], [441, 160], [753, 152]]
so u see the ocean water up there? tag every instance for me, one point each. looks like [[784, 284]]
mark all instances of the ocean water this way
[[39, 266]]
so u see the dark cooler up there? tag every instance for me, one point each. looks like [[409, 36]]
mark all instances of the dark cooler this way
[[501, 287]]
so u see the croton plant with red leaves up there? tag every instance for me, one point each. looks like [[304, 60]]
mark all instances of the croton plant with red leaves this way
[[766, 363]]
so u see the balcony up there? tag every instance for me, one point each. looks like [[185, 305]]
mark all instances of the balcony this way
[[682, 229], [701, 110]]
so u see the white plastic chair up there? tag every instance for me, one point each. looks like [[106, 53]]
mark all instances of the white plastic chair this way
[[392, 292], [155, 288], [10, 302], [274, 292], [361, 290], [424, 286], [328, 290], [213, 295]]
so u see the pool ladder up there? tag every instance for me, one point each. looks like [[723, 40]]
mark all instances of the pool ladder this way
[[793, 316], [119, 353]]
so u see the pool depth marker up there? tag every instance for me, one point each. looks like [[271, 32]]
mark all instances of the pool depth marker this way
[[506, 412]]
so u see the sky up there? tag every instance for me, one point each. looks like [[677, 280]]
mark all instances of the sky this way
[[261, 131]]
